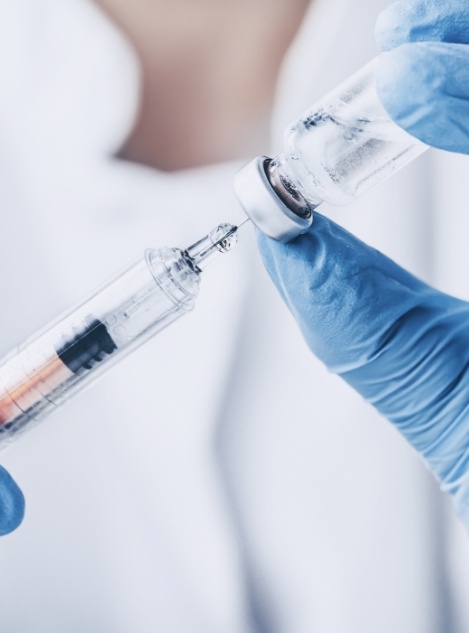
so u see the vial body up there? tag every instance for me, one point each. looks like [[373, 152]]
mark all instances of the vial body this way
[[52, 366], [344, 145], [334, 152]]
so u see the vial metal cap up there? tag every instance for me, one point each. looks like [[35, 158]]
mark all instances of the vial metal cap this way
[[264, 206]]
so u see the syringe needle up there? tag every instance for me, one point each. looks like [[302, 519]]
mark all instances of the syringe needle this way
[[243, 221]]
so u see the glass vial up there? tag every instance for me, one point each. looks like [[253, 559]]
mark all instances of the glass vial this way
[[334, 152]]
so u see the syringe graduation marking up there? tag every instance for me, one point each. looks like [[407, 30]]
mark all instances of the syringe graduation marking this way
[[87, 348]]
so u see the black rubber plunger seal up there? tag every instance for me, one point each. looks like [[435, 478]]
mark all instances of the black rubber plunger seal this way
[[87, 348]]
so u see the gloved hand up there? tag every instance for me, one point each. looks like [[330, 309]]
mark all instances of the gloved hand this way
[[11, 503], [423, 81], [401, 344]]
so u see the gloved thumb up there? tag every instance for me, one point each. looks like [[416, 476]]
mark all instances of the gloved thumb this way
[[424, 87], [11, 503], [342, 293], [401, 344]]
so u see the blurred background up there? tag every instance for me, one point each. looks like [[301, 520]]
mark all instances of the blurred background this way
[[219, 479]]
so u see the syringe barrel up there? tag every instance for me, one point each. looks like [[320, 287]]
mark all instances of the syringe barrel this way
[[51, 366]]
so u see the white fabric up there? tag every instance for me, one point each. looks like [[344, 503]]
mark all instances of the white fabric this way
[[219, 479]]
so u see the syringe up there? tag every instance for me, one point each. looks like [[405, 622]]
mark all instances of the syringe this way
[[56, 363]]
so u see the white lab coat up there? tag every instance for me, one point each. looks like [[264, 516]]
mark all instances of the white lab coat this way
[[219, 480]]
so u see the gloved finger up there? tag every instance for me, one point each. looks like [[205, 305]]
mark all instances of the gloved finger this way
[[423, 21], [401, 344], [11, 503], [425, 88], [338, 289]]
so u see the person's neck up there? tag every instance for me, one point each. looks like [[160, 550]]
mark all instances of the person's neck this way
[[209, 74]]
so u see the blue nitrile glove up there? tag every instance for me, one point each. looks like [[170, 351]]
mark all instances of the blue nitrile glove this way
[[423, 81], [11, 503], [401, 344]]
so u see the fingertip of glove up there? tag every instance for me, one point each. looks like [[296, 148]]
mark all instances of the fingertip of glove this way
[[12, 503], [313, 266], [391, 27], [408, 21], [305, 247], [408, 87], [422, 88]]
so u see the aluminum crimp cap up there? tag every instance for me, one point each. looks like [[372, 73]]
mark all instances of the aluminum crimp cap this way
[[263, 205]]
